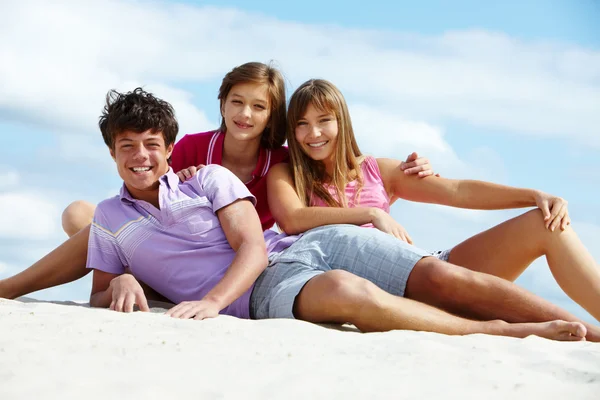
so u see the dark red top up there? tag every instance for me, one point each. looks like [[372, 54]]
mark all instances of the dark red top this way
[[207, 148]]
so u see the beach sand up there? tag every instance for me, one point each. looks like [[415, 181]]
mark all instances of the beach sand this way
[[68, 351]]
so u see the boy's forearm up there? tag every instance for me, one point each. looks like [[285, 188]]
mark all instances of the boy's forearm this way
[[249, 262], [101, 299]]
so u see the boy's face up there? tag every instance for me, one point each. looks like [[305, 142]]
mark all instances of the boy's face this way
[[141, 160]]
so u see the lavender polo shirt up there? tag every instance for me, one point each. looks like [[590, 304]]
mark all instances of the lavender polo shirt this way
[[180, 250]]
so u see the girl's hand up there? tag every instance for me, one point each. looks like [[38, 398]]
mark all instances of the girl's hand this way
[[417, 165], [385, 223], [188, 172], [554, 210]]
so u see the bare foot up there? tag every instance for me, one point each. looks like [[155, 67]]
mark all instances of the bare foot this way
[[554, 330], [593, 333]]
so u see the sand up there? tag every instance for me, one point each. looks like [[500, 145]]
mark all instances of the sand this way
[[69, 351]]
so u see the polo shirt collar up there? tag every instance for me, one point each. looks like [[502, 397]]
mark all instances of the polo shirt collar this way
[[215, 155], [170, 179]]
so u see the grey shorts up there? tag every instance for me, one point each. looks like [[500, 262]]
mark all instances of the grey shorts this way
[[365, 252]]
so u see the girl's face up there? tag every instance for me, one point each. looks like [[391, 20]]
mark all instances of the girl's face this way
[[246, 111], [316, 132]]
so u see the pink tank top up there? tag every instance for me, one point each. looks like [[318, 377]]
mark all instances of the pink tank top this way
[[371, 194]]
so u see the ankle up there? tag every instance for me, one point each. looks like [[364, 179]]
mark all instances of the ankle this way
[[5, 290], [494, 327]]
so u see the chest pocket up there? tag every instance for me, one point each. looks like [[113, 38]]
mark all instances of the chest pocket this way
[[197, 214], [199, 223]]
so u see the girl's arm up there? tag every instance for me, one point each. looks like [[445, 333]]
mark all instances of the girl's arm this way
[[293, 217], [470, 193]]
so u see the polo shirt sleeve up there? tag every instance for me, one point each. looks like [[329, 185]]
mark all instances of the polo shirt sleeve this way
[[222, 187], [103, 251]]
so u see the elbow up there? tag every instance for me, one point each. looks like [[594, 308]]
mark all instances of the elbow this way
[[289, 222], [94, 302], [257, 252], [264, 262], [288, 226]]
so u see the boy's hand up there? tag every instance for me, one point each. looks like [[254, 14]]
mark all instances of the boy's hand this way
[[188, 172], [417, 165], [195, 309], [126, 291]]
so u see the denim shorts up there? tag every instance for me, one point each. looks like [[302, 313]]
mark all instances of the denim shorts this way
[[366, 252]]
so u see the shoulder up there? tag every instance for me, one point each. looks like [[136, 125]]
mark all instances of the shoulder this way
[[213, 169], [387, 164], [367, 160], [215, 174], [198, 139], [110, 204], [192, 149], [279, 155], [389, 169], [369, 164], [109, 212], [282, 169]]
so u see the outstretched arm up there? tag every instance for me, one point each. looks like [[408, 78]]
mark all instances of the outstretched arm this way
[[242, 228], [471, 194]]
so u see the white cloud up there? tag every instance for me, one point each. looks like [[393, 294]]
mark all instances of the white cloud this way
[[482, 78], [27, 216], [9, 178], [384, 134], [59, 59]]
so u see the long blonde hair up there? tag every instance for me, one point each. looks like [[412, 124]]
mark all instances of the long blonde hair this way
[[310, 175]]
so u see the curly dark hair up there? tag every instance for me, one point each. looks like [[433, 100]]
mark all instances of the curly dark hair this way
[[137, 111]]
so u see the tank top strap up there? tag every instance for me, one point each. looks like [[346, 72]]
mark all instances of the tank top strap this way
[[370, 170]]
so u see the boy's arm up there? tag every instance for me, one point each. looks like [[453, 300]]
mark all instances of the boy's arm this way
[[117, 292], [111, 287], [242, 228], [101, 295]]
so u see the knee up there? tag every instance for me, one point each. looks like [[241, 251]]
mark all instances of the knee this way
[[534, 221], [432, 275], [534, 218], [349, 292], [77, 216]]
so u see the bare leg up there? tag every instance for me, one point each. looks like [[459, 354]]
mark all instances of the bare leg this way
[[482, 296], [507, 249], [64, 264], [339, 297]]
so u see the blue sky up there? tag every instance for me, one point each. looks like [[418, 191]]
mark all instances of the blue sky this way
[[507, 92]]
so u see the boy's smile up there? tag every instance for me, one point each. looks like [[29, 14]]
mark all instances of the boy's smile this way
[[141, 160]]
